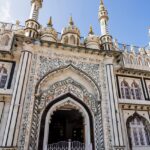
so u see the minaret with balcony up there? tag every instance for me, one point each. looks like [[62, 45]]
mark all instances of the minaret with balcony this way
[[32, 24], [106, 38]]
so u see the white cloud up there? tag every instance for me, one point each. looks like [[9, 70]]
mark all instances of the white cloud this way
[[5, 11]]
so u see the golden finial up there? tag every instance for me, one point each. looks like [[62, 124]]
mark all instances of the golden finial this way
[[101, 2], [17, 22], [50, 24], [91, 30], [71, 21]]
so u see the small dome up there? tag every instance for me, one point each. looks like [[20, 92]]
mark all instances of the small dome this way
[[71, 28], [49, 33], [92, 41], [71, 34]]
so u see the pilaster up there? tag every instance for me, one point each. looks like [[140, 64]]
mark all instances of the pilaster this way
[[17, 102], [116, 128]]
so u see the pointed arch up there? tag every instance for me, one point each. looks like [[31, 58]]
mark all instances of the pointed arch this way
[[4, 41], [55, 77], [72, 40], [3, 76], [57, 100], [62, 73], [136, 91], [125, 90], [138, 130], [66, 40]]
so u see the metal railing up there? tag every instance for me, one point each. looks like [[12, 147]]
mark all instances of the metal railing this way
[[64, 145]]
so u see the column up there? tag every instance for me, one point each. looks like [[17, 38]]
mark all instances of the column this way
[[17, 102], [2, 105], [116, 129]]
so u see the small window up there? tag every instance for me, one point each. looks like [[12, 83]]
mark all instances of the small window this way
[[72, 40], [125, 90], [3, 76], [66, 40], [5, 40], [136, 91], [78, 41]]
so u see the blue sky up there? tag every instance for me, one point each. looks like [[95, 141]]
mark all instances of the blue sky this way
[[129, 19]]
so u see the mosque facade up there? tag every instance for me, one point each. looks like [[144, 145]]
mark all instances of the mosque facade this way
[[59, 91]]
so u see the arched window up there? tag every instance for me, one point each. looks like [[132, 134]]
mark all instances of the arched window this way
[[66, 40], [125, 90], [32, 24], [5, 40], [3, 76], [72, 40], [78, 41], [138, 131], [136, 91]]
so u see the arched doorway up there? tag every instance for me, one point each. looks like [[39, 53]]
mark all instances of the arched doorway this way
[[66, 118], [66, 124]]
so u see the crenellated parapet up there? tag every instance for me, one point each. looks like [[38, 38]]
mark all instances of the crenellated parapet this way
[[9, 27], [136, 58]]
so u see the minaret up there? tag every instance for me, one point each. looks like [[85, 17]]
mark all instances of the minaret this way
[[103, 18], [32, 24], [106, 39], [36, 5]]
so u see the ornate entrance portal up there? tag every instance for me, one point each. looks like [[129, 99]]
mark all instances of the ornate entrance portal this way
[[67, 126]]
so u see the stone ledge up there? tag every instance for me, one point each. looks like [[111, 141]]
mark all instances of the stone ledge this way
[[8, 148]]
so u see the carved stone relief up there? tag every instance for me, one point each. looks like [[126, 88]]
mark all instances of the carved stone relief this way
[[68, 86], [41, 66]]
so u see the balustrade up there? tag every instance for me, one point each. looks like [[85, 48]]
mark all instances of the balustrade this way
[[63, 145]]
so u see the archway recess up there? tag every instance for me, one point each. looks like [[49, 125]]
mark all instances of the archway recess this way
[[70, 101], [63, 82]]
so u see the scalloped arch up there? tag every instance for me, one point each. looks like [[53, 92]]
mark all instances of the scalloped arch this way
[[47, 78]]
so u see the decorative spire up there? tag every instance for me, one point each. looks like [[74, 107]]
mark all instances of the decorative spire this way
[[50, 24], [17, 22], [102, 7], [71, 21], [103, 18], [101, 2], [91, 30]]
